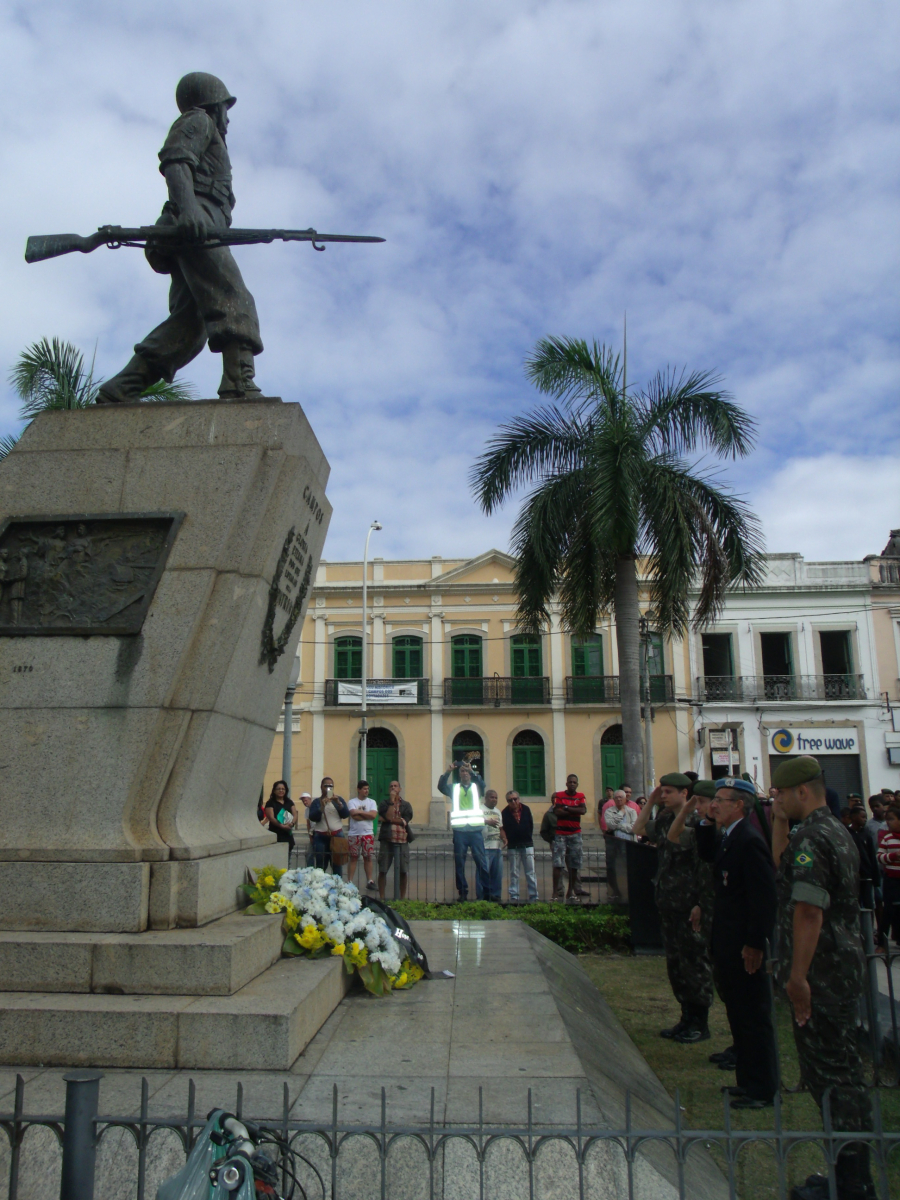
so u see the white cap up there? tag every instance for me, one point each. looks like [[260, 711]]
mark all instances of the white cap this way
[[302, 794]]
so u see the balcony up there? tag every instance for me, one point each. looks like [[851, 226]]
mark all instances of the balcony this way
[[776, 689], [497, 691], [380, 693], [604, 689]]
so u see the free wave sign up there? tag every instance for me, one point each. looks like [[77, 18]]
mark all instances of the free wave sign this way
[[813, 741]]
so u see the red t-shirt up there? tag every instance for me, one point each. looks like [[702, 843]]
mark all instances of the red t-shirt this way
[[566, 822]]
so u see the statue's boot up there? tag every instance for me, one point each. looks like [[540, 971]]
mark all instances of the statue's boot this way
[[238, 371], [130, 383]]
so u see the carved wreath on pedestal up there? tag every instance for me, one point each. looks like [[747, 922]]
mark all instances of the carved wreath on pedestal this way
[[273, 646]]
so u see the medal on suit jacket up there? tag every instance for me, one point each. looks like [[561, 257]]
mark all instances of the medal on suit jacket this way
[[724, 879]]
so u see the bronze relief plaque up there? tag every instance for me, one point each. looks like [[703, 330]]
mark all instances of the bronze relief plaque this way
[[82, 575]]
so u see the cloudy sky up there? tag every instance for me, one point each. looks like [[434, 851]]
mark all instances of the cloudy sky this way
[[727, 172]]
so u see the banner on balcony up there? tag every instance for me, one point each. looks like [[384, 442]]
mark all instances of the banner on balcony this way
[[400, 692], [813, 741]]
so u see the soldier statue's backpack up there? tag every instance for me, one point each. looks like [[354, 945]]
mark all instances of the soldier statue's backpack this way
[[401, 933]]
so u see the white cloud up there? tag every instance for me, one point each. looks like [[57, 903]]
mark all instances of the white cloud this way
[[832, 506], [726, 173]]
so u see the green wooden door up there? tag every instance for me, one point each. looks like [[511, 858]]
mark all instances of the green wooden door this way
[[348, 658], [407, 658], [468, 685], [527, 686], [528, 770], [588, 682], [382, 767], [612, 766]]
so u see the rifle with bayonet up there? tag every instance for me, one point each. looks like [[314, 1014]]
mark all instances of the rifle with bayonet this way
[[170, 238]]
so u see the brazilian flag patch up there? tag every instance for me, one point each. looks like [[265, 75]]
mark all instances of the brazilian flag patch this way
[[802, 859]]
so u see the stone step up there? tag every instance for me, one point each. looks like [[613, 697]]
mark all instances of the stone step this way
[[214, 960], [263, 1027]]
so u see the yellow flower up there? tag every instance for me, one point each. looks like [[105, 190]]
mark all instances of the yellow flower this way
[[339, 949], [269, 881], [291, 918], [402, 978]]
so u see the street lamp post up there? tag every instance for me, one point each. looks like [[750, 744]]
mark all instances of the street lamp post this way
[[363, 731], [648, 711], [288, 737]]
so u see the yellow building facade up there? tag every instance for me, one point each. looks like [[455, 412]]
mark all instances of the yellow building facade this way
[[811, 654], [533, 709]]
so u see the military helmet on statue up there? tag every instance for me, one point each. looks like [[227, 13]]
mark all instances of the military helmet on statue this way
[[200, 90]]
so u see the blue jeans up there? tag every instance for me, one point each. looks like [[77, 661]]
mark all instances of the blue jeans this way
[[322, 852], [494, 874], [521, 856], [470, 839]]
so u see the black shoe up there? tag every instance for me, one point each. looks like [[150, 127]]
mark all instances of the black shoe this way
[[730, 1064], [735, 1091], [815, 1188], [723, 1056], [750, 1102], [674, 1031], [691, 1034]]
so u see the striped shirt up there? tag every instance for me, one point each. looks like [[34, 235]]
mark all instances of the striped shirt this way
[[566, 822], [889, 853]]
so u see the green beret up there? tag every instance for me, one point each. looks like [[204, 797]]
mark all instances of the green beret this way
[[676, 780], [704, 787], [798, 770]]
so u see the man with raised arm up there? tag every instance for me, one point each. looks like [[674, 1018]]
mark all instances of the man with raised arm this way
[[678, 889]]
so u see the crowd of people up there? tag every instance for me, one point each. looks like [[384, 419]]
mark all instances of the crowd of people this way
[[741, 878]]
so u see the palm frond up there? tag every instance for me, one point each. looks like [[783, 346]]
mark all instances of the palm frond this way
[[548, 441], [695, 528], [538, 541], [678, 412], [571, 370], [163, 392], [49, 375], [7, 443]]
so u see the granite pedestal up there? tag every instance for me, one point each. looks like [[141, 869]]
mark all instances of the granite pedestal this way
[[156, 562]]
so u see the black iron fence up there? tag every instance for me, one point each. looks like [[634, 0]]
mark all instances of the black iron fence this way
[[432, 875], [87, 1152], [496, 690], [604, 689], [750, 689]]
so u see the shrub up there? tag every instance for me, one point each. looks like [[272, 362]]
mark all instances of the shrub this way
[[575, 929]]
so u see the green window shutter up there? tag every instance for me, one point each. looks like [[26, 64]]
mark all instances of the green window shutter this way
[[348, 658], [528, 770], [587, 656], [525, 656], [407, 658], [655, 657], [466, 657]]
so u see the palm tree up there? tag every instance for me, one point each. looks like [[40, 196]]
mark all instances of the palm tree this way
[[52, 374], [612, 487]]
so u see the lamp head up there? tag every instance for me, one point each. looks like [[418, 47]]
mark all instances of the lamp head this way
[[376, 525]]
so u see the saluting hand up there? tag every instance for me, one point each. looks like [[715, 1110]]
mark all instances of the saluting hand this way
[[801, 998], [753, 960], [696, 916]]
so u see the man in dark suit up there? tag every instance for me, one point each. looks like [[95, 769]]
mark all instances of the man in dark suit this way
[[743, 920]]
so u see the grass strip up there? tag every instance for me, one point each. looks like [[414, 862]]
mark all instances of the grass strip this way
[[579, 930], [637, 990]]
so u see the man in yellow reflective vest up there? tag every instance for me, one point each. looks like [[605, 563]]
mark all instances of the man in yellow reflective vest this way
[[467, 823]]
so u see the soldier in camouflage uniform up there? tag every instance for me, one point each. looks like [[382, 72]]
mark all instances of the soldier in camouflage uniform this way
[[679, 889], [820, 964]]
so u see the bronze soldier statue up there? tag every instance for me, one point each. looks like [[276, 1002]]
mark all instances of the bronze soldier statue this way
[[208, 299]]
